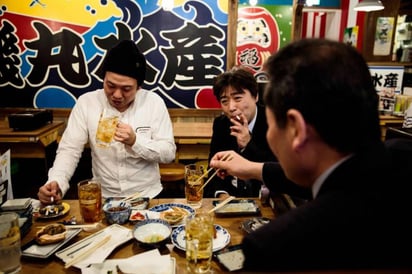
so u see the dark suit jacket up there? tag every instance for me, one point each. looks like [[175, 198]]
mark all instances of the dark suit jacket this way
[[257, 150], [358, 220]]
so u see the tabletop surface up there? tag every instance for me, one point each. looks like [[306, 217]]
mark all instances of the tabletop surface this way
[[6, 131], [231, 224], [130, 248]]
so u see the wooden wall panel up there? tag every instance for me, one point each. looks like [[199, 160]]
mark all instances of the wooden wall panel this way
[[391, 10]]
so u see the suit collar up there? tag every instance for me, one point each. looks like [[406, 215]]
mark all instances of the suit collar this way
[[364, 171], [321, 179]]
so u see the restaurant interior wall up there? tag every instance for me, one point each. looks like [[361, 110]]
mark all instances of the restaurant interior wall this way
[[117, 25], [55, 49]]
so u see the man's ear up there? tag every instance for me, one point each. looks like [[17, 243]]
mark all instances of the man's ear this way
[[297, 128]]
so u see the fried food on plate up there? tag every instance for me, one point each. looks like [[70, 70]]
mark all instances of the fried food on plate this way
[[50, 234]]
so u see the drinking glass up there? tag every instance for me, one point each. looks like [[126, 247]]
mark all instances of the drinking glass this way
[[90, 200], [9, 243], [106, 128], [199, 242], [400, 105], [193, 186]]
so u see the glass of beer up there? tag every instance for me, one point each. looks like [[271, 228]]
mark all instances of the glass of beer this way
[[106, 128], [9, 243], [193, 185], [199, 232], [90, 200]]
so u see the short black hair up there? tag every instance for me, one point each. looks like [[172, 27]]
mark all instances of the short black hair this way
[[239, 78], [329, 82]]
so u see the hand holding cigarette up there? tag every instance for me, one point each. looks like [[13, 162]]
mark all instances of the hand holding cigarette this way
[[240, 130]]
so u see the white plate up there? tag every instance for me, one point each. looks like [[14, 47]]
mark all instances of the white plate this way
[[166, 207], [222, 238], [114, 265], [119, 235]]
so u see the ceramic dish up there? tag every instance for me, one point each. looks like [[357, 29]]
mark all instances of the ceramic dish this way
[[32, 249], [169, 207], [237, 207], [138, 215], [113, 266], [118, 235], [136, 203], [254, 223], [117, 212], [49, 212], [152, 232], [221, 241], [140, 202]]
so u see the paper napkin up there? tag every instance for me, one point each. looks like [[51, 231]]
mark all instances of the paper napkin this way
[[148, 262]]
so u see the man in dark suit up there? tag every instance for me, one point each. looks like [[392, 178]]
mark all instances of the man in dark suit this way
[[323, 125], [242, 127]]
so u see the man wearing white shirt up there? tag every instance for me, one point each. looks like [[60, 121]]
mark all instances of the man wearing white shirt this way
[[143, 137]]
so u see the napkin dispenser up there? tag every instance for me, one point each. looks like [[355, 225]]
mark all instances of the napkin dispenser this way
[[30, 119]]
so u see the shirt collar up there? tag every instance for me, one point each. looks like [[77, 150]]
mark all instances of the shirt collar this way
[[321, 179], [251, 125]]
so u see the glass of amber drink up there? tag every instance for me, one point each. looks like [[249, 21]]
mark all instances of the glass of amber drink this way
[[106, 128], [90, 200], [193, 185], [199, 232]]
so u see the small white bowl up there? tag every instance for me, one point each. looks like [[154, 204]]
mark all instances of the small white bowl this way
[[152, 231]]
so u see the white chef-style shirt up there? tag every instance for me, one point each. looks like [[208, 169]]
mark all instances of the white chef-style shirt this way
[[122, 170]]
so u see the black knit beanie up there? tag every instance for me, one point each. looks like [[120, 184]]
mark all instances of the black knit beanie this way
[[126, 59]]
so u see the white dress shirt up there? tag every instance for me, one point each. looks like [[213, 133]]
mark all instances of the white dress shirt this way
[[122, 169]]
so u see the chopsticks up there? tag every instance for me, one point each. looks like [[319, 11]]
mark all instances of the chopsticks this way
[[87, 252], [94, 225], [208, 180], [227, 157], [131, 197], [222, 204]]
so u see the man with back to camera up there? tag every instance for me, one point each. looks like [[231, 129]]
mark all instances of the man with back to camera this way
[[242, 127], [143, 137], [323, 126]]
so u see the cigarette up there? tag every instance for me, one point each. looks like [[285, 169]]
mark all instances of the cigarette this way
[[239, 119], [52, 199]]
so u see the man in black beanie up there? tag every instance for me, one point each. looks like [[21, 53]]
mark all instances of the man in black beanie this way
[[143, 137]]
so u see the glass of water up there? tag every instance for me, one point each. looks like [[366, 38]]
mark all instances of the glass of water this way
[[9, 243]]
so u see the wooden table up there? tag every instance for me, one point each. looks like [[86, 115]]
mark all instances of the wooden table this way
[[130, 248], [192, 140], [28, 144], [387, 121], [54, 265]]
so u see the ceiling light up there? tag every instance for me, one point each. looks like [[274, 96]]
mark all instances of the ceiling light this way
[[253, 2], [369, 5], [310, 3]]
